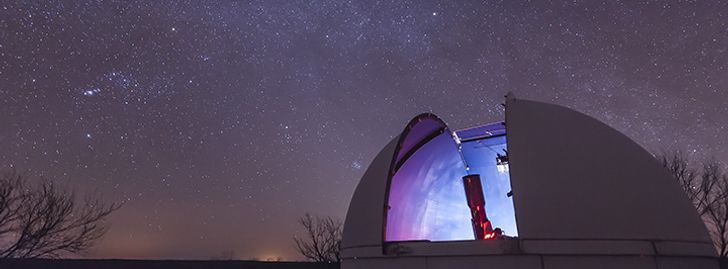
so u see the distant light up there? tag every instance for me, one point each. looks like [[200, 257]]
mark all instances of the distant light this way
[[434, 13], [88, 135]]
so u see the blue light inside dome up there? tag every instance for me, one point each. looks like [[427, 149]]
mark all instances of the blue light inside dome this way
[[426, 198], [480, 155]]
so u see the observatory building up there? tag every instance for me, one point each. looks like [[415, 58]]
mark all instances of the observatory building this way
[[548, 188]]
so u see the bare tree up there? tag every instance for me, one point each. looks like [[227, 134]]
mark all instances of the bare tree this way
[[45, 221], [716, 211], [707, 188], [696, 188], [322, 241]]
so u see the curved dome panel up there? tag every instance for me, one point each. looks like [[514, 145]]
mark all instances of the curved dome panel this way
[[421, 129], [574, 177], [364, 219], [424, 194], [426, 197]]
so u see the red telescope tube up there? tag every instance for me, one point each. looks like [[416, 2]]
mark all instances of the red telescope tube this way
[[474, 194]]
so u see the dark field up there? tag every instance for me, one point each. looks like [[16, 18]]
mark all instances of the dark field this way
[[147, 264]]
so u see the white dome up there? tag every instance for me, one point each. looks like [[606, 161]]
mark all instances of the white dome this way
[[583, 194]]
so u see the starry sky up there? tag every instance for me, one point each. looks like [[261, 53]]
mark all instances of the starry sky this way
[[219, 123]]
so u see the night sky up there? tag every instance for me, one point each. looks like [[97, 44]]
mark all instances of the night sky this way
[[221, 123]]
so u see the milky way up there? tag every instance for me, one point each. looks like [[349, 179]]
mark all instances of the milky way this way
[[220, 123]]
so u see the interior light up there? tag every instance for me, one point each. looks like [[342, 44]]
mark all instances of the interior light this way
[[501, 162]]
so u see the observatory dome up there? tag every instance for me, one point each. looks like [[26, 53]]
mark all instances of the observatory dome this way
[[547, 188]]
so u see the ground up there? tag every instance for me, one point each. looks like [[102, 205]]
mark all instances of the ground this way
[[150, 264]]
